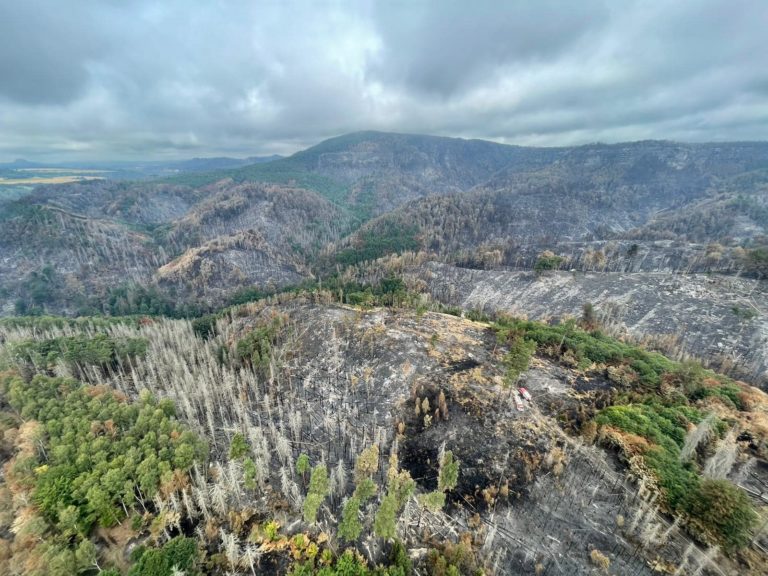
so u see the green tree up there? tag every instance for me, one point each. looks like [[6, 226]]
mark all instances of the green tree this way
[[238, 447], [350, 527], [433, 501], [448, 476], [548, 261], [367, 463], [517, 360], [249, 474], [385, 522], [302, 466], [318, 490]]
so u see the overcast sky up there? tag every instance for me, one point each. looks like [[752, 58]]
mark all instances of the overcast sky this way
[[127, 79]]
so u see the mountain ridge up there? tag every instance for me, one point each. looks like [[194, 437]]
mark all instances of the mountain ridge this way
[[654, 204]]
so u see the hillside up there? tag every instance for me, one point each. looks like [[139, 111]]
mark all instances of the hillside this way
[[722, 320], [627, 194], [285, 431], [196, 241], [67, 249], [371, 173]]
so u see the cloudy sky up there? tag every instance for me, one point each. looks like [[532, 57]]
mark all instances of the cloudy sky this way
[[127, 79]]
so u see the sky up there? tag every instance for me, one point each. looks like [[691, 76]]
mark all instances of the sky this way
[[154, 80]]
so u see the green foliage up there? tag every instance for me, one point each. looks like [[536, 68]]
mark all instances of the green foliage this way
[[145, 300], [387, 237], [697, 383], [250, 294], [665, 426], [352, 564], [588, 348], [367, 463], [729, 392], [180, 553], [452, 559], [250, 474], [255, 349], [40, 288], [401, 486], [302, 464], [433, 501], [366, 489], [518, 358], [716, 508], [318, 483], [756, 262], [318, 490], [97, 350], [238, 447], [588, 316], [449, 472], [100, 451], [399, 560], [350, 527], [271, 530], [45, 323], [312, 505], [548, 261], [205, 326], [348, 564], [384, 524], [723, 510]]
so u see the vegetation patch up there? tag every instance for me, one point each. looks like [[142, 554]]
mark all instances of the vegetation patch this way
[[716, 509], [100, 350], [584, 349], [87, 457], [386, 238]]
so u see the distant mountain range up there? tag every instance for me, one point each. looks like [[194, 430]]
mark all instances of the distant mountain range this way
[[221, 224]]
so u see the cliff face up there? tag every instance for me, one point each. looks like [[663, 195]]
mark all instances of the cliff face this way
[[723, 320]]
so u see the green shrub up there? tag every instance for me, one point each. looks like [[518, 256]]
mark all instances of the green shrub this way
[[588, 348], [716, 508], [548, 261], [180, 553], [722, 510]]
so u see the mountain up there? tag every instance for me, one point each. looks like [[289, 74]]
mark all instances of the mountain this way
[[370, 173], [201, 237], [626, 194], [19, 163]]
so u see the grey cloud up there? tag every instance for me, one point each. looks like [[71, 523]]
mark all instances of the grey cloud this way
[[44, 52], [442, 47], [138, 78]]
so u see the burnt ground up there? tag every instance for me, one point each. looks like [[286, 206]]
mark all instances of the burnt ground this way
[[721, 320], [534, 497]]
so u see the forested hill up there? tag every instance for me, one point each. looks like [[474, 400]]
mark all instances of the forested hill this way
[[392, 437], [198, 239]]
